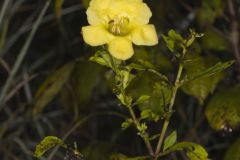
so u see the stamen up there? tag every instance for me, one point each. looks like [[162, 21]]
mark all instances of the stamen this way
[[119, 26]]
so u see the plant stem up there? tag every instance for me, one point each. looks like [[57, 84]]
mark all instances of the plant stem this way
[[234, 32], [145, 138], [132, 113], [167, 120]]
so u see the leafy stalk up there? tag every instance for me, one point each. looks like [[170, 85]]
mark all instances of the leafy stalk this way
[[132, 113], [167, 120], [145, 138]]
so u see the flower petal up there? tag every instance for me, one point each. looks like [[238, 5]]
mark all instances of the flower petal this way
[[96, 10], [143, 13], [145, 35], [96, 35], [121, 48]]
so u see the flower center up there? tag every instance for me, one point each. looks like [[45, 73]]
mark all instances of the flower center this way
[[119, 26]]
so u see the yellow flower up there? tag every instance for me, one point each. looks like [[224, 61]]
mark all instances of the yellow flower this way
[[119, 23]]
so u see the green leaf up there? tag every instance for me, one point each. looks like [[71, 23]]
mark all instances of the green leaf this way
[[192, 37], [219, 67], [84, 78], [174, 41], [170, 140], [147, 66], [142, 127], [51, 86], [162, 91], [102, 58], [153, 86], [142, 99], [210, 10], [233, 153], [202, 76], [149, 115], [223, 110], [220, 42], [46, 144], [193, 151], [127, 123], [125, 78], [124, 99]]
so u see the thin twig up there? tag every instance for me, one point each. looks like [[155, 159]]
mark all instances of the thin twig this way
[[234, 33], [167, 120], [146, 139]]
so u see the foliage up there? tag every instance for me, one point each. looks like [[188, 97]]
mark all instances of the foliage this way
[[223, 109], [46, 144], [51, 87], [233, 151], [144, 108]]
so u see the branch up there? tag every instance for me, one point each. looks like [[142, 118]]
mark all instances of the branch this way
[[234, 33]]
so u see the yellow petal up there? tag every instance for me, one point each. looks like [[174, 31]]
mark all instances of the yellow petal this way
[[145, 35], [95, 11], [121, 48], [96, 35], [137, 11], [143, 13]]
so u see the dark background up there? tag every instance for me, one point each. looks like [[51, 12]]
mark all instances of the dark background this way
[[87, 97]]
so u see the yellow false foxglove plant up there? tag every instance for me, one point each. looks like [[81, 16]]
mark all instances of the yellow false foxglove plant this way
[[119, 23]]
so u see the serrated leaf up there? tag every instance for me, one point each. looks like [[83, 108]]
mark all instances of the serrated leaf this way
[[219, 67], [155, 87], [233, 153], [223, 110], [193, 151], [170, 140], [142, 99], [46, 144], [201, 78], [51, 87]]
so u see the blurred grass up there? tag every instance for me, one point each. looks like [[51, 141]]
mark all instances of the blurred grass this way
[[48, 41]]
